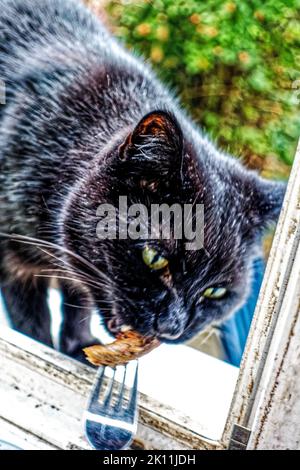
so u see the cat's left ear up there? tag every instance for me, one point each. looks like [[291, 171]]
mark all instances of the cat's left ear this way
[[156, 142], [267, 200]]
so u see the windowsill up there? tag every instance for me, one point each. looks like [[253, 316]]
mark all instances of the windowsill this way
[[181, 388]]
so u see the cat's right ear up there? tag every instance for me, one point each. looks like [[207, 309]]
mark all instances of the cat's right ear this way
[[156, 142]]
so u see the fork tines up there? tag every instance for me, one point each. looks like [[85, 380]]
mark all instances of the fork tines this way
[[111, 416]]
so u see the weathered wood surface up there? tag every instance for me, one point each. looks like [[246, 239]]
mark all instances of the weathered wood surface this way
[[276, 416], [21, 438], [272, 311], [43, 394]]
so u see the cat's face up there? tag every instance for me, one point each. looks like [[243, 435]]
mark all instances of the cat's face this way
[[158, 286]]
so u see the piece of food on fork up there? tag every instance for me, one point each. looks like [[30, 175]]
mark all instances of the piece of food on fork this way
[[129, 345]]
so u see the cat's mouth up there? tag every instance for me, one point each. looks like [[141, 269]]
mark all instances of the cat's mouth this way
[[115, 326]]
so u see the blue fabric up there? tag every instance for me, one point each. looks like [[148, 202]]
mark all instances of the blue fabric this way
[[234, 332]]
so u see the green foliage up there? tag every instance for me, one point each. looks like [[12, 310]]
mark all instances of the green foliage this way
[[233, 63]]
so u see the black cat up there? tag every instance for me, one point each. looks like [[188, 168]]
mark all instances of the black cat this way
[[84, 123]]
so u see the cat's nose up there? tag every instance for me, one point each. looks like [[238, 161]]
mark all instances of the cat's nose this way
[[170, 327]]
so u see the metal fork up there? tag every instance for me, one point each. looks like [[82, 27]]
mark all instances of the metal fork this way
[[111, 423]]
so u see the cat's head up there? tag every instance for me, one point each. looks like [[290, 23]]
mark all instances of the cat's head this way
[[158, 286]]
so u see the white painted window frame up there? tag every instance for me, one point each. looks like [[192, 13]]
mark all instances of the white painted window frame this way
[[267, 396], [46, 392]]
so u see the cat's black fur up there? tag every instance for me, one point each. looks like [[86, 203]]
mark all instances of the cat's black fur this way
[[73, 134]]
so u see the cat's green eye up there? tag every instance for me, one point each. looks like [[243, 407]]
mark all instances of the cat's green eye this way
[[153, 259], [216, 293]]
